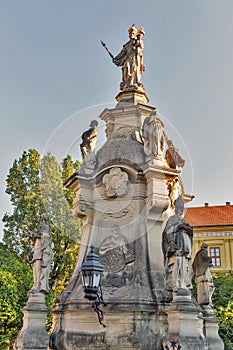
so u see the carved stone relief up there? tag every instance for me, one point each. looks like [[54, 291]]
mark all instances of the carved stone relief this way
[[120, 213], [117, 257], [109, 128], [124, 132], [116, 183]]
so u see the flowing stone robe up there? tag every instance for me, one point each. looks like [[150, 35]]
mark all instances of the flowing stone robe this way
[[177, 249], [126, 59], [130, 59], [87, 146], [154, 136], [173, 157], [41, 258], [203, 277]]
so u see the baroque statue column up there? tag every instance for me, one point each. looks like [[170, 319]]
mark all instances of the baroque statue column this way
[[131, 198]]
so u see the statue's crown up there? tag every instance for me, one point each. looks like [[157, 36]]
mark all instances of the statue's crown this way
[[132, 29], [141, 31]]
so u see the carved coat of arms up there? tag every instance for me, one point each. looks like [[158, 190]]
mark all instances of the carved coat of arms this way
[[116, 183]]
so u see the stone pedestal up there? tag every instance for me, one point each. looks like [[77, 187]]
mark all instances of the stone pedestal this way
[[132, 97], [124, 330], [185, 324], [211, 333], [33, 335]]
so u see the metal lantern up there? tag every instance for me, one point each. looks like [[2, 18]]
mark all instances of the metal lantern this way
[[91, 273]]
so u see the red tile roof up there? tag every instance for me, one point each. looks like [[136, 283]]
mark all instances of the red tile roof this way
[[209, 215]]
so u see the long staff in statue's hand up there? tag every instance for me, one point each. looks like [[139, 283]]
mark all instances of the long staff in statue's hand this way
[[108, 51]]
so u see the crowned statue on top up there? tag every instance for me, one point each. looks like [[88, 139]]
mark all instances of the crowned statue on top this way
[[130, 59]]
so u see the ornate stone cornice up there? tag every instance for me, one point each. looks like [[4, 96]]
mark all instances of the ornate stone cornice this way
[[213, 234]]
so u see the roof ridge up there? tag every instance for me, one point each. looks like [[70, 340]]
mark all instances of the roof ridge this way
[[210, 215]]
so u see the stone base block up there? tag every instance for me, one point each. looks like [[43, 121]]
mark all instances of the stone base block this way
[[132, 97], [185, 326], [211, 333], [33, 335], [124, 330]]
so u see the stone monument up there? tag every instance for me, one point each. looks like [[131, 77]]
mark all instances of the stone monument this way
[[131, 199], [33, 335]]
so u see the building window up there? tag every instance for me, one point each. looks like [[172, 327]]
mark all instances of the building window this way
[[215, 256]]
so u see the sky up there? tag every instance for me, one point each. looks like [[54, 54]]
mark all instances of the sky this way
[[56, 77]]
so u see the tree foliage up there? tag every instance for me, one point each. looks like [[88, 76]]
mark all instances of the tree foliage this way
[[35, 187], [57, 201], [15, 281], [23, 186], [223, 302]]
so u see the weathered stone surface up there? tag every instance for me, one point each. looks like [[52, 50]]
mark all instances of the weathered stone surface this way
[[125, 203], [125, 200], [130, 59], [214, 342], [128, 98], [185, 324], [33, 335], [134, 330]]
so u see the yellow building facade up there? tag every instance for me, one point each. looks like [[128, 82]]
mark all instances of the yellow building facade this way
[[213, 225]]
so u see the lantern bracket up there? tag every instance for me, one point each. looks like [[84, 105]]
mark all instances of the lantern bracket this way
[[96, 304]]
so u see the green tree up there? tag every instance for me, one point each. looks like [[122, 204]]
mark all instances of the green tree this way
[[65, 229], [36, 187], [223, 302], [15, 281], [23, 186], [68, 168]]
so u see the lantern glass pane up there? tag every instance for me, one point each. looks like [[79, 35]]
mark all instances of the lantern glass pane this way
[[91, 279], [96, 280], [86, 280]]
